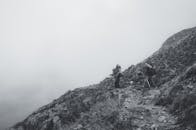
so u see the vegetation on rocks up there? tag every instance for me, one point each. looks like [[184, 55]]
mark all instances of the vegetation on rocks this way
[[169, 106]]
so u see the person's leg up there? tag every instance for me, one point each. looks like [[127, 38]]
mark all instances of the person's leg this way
[[152, 85], [146, 86], [116, 83]]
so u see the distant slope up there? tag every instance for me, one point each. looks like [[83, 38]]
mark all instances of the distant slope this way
[[102, 107]]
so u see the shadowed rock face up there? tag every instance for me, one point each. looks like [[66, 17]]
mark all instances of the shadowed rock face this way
[[102, 107]]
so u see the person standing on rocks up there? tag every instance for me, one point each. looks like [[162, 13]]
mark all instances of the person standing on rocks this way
[[149, 72], [117, 76]]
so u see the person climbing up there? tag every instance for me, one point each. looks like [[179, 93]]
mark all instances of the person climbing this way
[[116, 70], [117, 76], [149, 72]]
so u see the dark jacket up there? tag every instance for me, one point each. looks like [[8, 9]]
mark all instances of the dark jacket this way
[[149, 71]]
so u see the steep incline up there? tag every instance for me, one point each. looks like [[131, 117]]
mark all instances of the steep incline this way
[[169, 106]]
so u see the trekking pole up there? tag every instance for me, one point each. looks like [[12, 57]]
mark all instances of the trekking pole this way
[[119, 102], [148, 83]]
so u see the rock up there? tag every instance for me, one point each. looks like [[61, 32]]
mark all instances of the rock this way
[[55, 119], [162, 119], [79, 127], [131, 82], [190, 86], [154, 127]]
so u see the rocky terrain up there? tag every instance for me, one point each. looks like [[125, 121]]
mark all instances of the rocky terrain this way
[[171, 105]]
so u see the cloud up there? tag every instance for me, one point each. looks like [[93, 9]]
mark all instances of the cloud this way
[[48, 47]]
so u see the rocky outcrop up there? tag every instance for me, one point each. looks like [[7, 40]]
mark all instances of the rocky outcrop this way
[[169, 106]]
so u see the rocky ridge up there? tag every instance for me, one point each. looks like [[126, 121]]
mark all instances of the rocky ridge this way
[[169, 106]]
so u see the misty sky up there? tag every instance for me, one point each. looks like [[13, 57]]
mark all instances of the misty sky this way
[[50, 46]]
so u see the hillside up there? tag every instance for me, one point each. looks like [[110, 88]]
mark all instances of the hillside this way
[[169, 106]]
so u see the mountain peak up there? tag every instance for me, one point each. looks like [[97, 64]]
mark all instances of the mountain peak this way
[[178, 38]]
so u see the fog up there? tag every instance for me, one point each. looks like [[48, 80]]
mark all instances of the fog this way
[[50, 46]]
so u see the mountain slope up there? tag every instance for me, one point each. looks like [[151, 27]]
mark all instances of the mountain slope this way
[[133, 107]]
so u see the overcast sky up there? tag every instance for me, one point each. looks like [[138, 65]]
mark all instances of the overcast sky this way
[[50, 46]]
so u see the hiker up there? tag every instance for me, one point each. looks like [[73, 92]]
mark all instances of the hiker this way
[[116, 70], [117, 76], [149, 72]]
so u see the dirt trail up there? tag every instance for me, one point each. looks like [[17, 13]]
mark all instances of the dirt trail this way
[[146, 115]]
